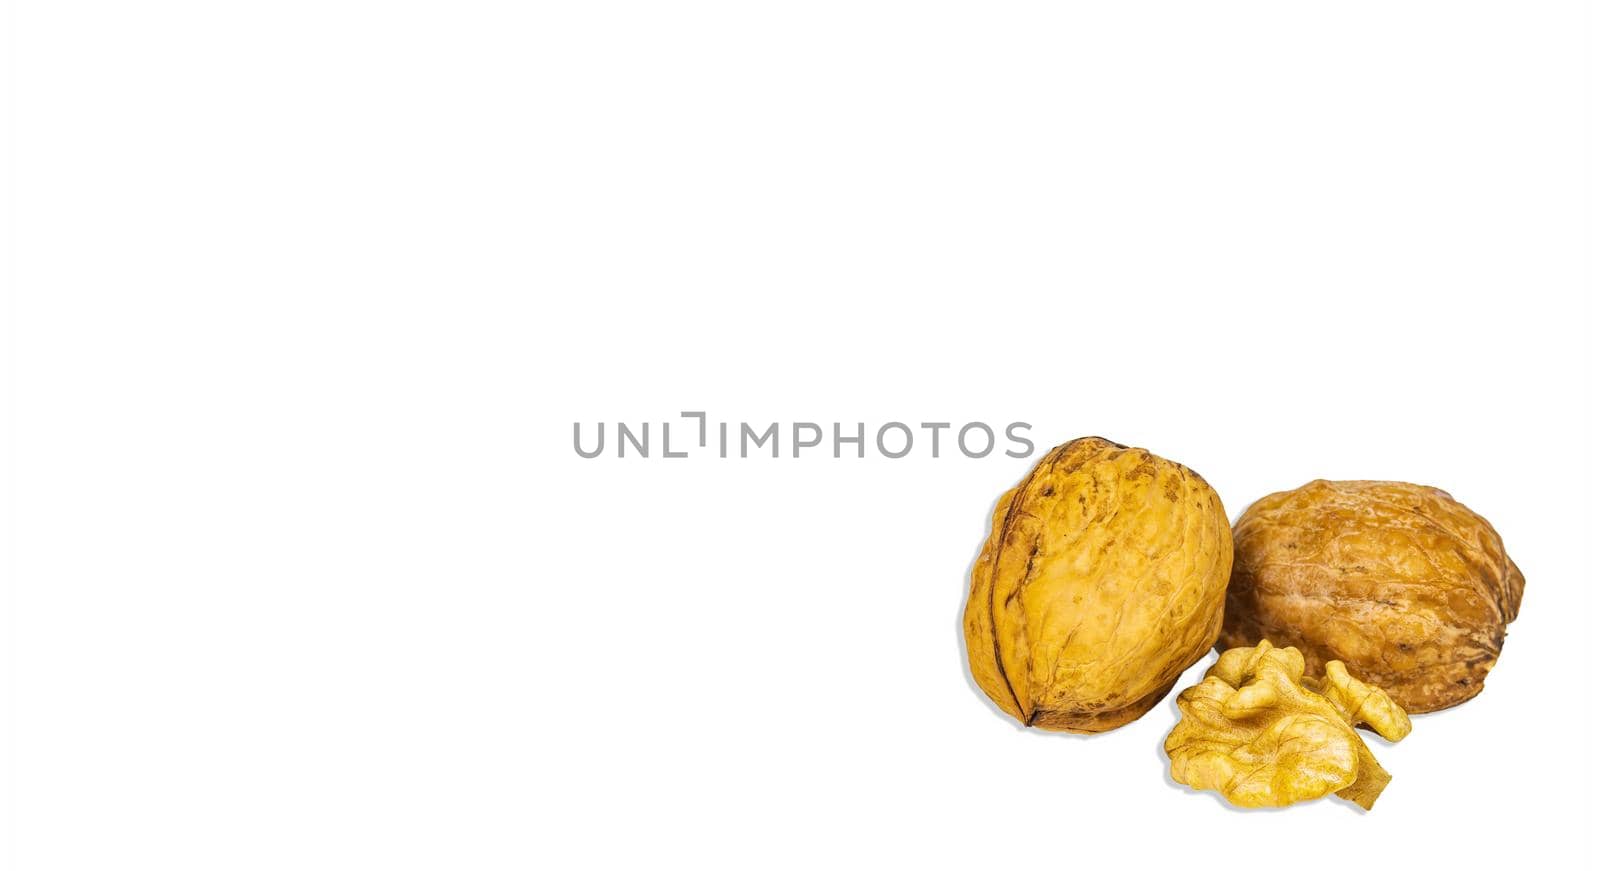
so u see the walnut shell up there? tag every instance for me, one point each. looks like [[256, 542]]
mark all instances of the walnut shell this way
[[1102, 579], [1405, 585]]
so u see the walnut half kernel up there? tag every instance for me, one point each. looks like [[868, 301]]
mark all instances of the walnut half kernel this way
[[1262, 734]]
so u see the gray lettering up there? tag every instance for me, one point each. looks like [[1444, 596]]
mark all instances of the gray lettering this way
[[702, 416], [624, 433], [961, 439], [859, 440], [935, 427], [806, 434], [885, 451], [666, 443], [577, 446], [798, 444], [745, 433], [1027, 452]]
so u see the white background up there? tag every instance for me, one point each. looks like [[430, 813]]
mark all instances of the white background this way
[[305, 572]]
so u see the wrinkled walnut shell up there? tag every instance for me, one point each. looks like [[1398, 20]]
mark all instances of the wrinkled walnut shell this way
[[1102, 580], [1405, 585]]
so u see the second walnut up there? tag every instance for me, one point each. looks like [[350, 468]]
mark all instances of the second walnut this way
[[1405, 585]]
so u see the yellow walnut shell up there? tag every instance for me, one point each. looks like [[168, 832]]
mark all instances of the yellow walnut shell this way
[[1403, 584], [1102, 579]]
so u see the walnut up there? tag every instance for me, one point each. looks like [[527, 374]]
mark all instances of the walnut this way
[[1102, 580], [1403, 584], [1261, 734], [1359, 703]]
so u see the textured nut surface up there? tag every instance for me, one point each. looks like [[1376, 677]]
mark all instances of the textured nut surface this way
[[1102, 579], [1361, 704], [1261, 734], [1405, 585]]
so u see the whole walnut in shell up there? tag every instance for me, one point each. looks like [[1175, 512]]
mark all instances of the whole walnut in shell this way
[[1405, 585], [1101, 581]]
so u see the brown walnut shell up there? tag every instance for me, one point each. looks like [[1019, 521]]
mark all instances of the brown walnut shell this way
[[1406, 586], [1102, 579]]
